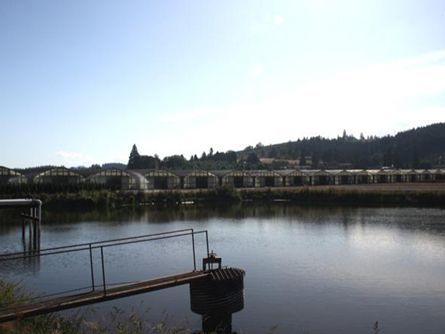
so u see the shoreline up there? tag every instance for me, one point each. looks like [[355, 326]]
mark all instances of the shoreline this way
[[399, 194]]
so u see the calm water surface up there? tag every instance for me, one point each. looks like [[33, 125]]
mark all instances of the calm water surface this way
[[309, 270]]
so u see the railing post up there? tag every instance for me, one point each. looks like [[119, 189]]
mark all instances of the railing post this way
[[194, 254], [207, 243], [92, 269], [103, 269]]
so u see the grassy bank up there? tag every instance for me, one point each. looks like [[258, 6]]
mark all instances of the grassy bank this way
[[421, 195], [116, 322], [431, 195], [90, 199]]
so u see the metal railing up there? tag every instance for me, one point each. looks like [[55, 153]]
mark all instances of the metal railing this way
[[100, 245]]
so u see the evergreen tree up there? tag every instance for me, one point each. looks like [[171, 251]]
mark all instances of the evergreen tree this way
[[134, 159]]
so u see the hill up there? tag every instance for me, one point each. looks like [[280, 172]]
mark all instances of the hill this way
[[422, 147]]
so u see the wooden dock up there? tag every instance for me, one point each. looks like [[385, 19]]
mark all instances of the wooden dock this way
[[62, 303]]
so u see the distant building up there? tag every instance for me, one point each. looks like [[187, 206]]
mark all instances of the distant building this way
[[113, 178], [10, 176], [200, 180], [58, 175], [162, 179]]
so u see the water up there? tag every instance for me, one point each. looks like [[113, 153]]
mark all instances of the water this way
[[309, 269]]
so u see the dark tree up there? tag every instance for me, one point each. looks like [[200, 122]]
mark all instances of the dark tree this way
[[175, 162], [303, 161], [252, 159], [134, 159], [417, 147], [148, 162]]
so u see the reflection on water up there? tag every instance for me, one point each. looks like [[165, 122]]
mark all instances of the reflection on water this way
[[308, 269]]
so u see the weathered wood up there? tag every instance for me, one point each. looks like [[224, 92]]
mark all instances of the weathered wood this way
[[15, 312]]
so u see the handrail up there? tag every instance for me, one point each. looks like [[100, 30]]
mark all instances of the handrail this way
[[97, 242], [106, 244]]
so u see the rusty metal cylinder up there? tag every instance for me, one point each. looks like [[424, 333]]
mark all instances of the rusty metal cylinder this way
[[217, 297], [222, 292]]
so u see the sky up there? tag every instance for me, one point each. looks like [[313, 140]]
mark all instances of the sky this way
[[82, 81]]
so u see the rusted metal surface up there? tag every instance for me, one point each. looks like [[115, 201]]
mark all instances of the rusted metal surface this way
[[62, 303], [227, 274], [221, 293]]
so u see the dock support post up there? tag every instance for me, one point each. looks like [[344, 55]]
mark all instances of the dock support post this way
[[31, 216]]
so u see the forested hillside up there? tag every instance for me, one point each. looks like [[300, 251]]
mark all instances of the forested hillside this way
[[423, 147]]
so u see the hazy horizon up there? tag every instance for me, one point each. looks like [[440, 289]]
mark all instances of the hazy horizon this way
[[82, 82], [197, 153]]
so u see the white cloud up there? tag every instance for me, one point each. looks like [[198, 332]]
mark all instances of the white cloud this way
[[378, 99], [277, 20], [256, 70]]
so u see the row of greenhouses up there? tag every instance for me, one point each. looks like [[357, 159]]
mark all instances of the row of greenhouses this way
[[199, 179]]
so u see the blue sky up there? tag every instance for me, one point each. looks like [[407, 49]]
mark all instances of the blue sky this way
[[81, 81]]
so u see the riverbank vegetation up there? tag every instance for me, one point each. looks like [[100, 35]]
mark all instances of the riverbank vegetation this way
[[116, 322], [379, 194]]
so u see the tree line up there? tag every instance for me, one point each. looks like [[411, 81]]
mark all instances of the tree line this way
[[422, 147]]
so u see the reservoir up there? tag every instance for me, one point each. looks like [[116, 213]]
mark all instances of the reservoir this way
[[309, 269]]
